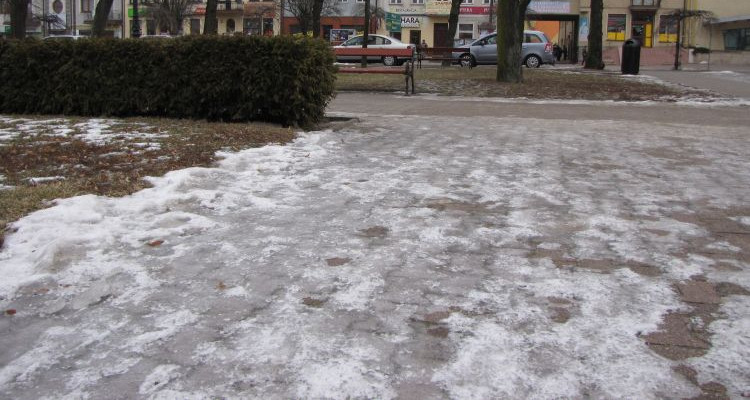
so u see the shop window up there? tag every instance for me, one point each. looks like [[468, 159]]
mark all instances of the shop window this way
[[668, 29], [150, 27], [616, 27], [737, 39], [465, 31]]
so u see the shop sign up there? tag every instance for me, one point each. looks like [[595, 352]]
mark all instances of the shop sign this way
[[393, 22], [141, 12], [407, 10], [435, 7], [409, 22], [549, 7], [481, 10]]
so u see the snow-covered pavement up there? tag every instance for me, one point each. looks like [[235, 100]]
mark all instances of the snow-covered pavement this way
[[416, 257]]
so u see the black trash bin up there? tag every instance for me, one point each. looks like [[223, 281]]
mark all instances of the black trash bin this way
[[631, 57]]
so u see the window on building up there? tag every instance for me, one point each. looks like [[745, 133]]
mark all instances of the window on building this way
[[417, 1], [467, 1], [394, 1], [230, 26], [644, 2], [737, 39], [150, 27], [616, 27], [486, 1], [668, 29], [195, 26], [465, 31], [86, 5]]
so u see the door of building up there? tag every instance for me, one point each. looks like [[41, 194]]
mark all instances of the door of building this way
[[643, 28], [415, 37], [440, 35]]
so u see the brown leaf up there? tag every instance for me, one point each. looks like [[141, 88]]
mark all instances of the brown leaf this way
[[155, 243], [10, 312], [221, 285]]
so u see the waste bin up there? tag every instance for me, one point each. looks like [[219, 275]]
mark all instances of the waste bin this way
[[631, 57]]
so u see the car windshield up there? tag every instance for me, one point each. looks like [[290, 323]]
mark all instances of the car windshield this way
[[488, 40]]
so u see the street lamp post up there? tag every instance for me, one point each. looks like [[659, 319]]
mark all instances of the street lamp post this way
[[135, 28]]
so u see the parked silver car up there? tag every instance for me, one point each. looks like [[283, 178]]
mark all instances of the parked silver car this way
[[537, 50], [373, 42]]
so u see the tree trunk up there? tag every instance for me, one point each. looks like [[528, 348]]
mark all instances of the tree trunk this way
[[510, 17], [101, 14], [18, 13], [211, 24], [366, 35], [317, 11], [594, 52], [452, 27]]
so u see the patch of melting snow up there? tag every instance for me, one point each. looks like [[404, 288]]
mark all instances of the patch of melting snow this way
[[142, 271]]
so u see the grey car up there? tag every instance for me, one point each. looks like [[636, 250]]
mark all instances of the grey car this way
[[537, 50]]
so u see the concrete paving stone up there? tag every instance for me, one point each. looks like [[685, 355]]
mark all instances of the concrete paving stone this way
[[698, 292]]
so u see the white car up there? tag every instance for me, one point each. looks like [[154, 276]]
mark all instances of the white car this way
[[374, 42]]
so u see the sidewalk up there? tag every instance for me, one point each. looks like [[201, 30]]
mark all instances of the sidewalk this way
[[727, 80]]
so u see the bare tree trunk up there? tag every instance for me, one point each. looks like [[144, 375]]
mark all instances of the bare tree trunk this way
[[594, 52], [366, 36], [317, 11], [452, 27], [101, 14], [211, 24], [510, 17], [18, 13]]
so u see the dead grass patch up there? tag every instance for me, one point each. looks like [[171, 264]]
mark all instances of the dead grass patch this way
[[112, 167], [538, 83]]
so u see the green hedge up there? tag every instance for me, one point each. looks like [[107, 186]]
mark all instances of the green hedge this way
[[280, 79]]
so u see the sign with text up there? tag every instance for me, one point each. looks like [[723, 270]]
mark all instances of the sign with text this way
[[393, 22], [409, 21], [480, 10], [549, 7], [435, 7]]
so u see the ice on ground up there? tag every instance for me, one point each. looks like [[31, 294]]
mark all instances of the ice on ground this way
[[496, 261]]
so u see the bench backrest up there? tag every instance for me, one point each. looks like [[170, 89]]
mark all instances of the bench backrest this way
[[358, 51]]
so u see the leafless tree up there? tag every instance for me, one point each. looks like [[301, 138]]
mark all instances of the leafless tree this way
[[594, 52], [169, 14], [510, 16], [101, 14], [19, 11], [309, 12]]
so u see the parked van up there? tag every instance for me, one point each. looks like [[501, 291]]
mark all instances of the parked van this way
[[537, 50]]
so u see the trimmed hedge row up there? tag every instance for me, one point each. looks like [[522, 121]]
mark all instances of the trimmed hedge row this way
[[280, 79]]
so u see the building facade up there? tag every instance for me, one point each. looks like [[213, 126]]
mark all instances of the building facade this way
[[656, 24]]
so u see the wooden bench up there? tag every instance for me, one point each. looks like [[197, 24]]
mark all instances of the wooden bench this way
[[407, 70], [438, 54]]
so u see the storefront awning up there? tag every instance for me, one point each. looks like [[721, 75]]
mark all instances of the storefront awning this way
[[727, 20]]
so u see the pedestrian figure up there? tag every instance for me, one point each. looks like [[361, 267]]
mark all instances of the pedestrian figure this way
[[556, 51]]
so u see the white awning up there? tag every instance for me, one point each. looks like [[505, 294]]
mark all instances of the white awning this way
[[726, 20]]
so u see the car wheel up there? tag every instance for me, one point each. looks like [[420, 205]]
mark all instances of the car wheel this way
[[467, 60], [533, 61], [389, 61]]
